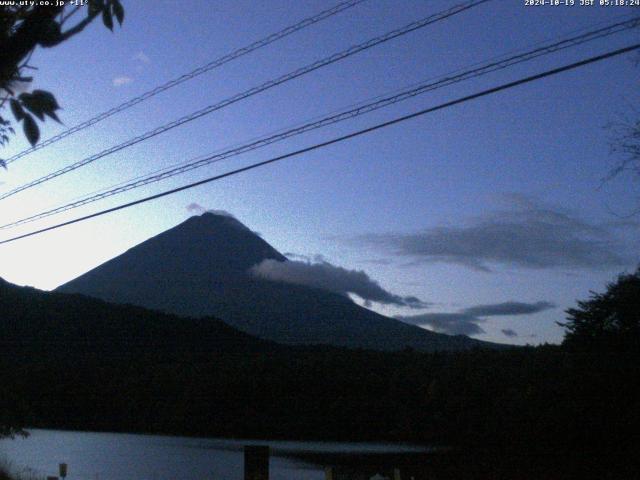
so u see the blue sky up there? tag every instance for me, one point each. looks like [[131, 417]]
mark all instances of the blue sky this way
[[498, 201]]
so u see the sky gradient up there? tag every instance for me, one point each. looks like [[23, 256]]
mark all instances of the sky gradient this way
[[492, 212]]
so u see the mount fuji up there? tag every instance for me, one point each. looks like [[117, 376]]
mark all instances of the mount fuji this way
[[203, 267]]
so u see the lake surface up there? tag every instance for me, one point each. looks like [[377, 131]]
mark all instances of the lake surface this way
[[112, 456]]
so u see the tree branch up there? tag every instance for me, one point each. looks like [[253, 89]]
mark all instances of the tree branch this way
[[64, 18], [76, 29]]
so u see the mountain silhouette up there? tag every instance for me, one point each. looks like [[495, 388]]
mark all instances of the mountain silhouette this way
[[202, 267]]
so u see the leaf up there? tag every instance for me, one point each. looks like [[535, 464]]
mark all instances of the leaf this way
[[40, 103], [118, 11], [31, 130], [16, 108], [95, 7], [53, 116], [32, 103], [106, 19], [46, 100]]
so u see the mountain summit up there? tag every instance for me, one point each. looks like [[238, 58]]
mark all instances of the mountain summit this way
[[202, 268]]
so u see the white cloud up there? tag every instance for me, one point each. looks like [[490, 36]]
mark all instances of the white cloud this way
[[142, 57], [122, 80], [326, 276], [199, 209]]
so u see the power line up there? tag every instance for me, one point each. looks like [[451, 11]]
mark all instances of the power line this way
[[361, 109], [502, 56], [218, 62], [342, 138], [255, 90]]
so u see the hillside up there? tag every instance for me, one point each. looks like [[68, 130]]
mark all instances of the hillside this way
[[37, 322]]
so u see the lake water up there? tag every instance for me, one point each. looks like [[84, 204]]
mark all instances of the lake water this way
[[111, 456]]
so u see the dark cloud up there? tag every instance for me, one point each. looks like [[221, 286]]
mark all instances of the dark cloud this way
[[507, 332], [508, 308], [196, 208], [465, 322], [525, 235], [324, 275], [449, 323]]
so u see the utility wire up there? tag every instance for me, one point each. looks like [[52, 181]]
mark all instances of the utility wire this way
[[342, 138], [361, 109], [255, 90], [218, 62]]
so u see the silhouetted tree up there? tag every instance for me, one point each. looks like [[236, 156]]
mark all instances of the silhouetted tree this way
[[609, 320], [22, 29]]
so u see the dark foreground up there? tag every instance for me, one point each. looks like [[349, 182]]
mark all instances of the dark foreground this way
[[67, 362], [527, 413], [194, 458], [481, 464]]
